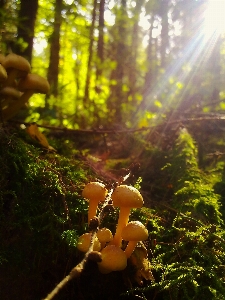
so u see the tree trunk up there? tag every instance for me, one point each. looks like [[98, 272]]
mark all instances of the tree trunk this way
[[53, 69], [164, 32], [88, 76], [101, 24], [117, 97], [133, 71], [150, 62], [25, 30]]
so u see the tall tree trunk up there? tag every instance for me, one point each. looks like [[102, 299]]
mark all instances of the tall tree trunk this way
[[164, 9], [53, 69], [100, 50], [2, 3], [150, 61], [91, 45], [117, 97], [135, 40], [25, 30], [215, 69]]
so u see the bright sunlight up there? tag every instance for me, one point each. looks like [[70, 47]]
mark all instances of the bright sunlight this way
[[214, 17]]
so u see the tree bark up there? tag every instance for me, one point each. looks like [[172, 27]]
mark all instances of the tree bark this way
[[25, 30], [117, 97], [101, 31], [91, 45], [164, 32], [53, 69]]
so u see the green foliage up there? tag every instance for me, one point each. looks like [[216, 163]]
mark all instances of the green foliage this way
[[187, 257], [41, 210], [193, 190]]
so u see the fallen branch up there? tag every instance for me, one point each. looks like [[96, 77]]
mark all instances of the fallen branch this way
[[74, 273]]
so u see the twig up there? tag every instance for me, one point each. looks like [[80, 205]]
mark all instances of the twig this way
[[126, 130], [77, 270], [74, 273]]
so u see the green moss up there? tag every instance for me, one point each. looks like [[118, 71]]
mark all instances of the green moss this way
[[40, 204]]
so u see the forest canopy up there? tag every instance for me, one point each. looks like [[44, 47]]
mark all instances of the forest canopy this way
[[112, 62]]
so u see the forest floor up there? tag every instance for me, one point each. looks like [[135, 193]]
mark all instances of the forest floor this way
[[43, 214]]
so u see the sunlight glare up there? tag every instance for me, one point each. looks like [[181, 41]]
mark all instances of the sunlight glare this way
[[214, 17], [40, 43]]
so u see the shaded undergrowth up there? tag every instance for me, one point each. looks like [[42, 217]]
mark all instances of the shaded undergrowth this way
[[42, 215]]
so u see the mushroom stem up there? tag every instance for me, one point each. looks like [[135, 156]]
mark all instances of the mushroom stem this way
[[12, 110], [130, 248], [10, 81], [122, 222]]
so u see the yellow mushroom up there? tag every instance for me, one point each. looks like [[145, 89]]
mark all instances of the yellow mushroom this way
[[105, 236], [134, 232], [125, 197], [84, 243], [95, 192], [113, 259]]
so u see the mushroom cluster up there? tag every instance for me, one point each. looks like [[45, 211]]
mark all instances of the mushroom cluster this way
[[17, 84], [115, 250]]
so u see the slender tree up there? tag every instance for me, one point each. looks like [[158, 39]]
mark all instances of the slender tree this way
[[163, 12], [134, 72], [25, 31], [53, 68], [91, 52], [120, 49], [100, 47]]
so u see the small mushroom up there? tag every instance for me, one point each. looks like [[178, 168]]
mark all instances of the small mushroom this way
[[105, 236], [16, 67], [8, 94], [31, 84], [125, 197], [2, 57], [113, 259], [134, 232], [95, 192], [84, 243]]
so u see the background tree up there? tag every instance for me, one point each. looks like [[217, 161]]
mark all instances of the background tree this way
[[53, 68], [25, 29]]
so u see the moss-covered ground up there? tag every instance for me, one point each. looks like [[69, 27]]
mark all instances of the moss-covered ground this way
[[42, 214]]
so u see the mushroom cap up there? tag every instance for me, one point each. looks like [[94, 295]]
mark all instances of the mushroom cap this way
[[134, 231], [127, 196], [84, 242], [10, 91], [113, 259], [94, 190], [34, 82], [104, 235], [14, 61], [3, 73]]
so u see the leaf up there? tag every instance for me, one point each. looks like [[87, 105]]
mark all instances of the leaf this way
[[35, 134], [139, 259]]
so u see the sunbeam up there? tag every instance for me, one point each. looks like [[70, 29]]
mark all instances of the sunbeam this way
[[210, 24], [214, 17]]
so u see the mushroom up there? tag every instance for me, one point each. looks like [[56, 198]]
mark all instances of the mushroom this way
[[84, 243], [2, 57], [31, 84], [95, 192], [125, 197], [134, 232], [113, 259], [105, 236], [9, 94], [16, 67]]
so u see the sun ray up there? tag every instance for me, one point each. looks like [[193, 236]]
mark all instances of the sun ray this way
[[197, 51]]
